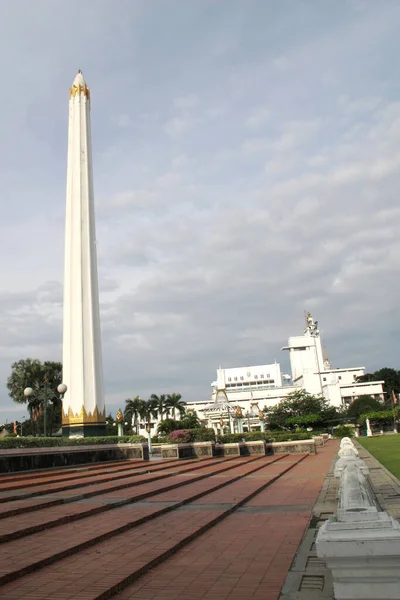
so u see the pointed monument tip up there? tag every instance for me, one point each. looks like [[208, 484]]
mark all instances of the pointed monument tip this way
[[79, 79]]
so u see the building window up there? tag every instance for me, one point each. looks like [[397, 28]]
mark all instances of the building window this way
[[241, 379], [229, 378], [255, 376], [324, 379], [262, 376], [248, 374], [340, 377], [268, 376], [235, 378]]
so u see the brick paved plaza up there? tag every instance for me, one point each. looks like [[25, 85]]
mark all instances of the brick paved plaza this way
[[209, 529]]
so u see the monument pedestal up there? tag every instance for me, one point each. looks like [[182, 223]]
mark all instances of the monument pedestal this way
[[363, 557], [97, 429]]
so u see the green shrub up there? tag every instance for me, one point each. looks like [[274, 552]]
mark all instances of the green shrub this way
[[342, 431], [52, 442], [204, 434], [288, 436], [160, 439], [267, 436], [381, 416]]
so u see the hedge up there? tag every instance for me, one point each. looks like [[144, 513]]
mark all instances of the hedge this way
[[344, 431], [201, 434], [381, 415], [267, 436], [51, 442]]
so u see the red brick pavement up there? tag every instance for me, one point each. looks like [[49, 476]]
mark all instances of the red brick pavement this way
[[100, 569], [247, 556], [41, 548], [244, 556], [16, 507], [27, 522]]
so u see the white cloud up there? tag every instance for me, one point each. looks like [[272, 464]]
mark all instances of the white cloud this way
[[259, 116], [176, 126], [186, 102]]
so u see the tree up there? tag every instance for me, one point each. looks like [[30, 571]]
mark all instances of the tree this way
[[391, 377], [148, 411], [162, 404], [190, 420], [175, 404], [167, 426], [111, 429], [44, 380], [298, 405], [361, 405], [132, 411]]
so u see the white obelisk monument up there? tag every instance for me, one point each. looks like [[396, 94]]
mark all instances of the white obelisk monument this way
[[83, 403]]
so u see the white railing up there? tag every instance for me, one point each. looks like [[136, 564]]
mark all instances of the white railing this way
[[361, 544]]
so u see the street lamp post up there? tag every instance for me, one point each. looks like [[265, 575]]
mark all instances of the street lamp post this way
[[45, 407], [148, 429], [248, 415], [28, 393], [62, 389]]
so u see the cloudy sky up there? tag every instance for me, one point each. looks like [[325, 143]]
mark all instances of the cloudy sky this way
[[246, 166]]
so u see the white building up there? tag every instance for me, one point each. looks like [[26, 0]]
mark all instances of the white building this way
[[253, 388], [256, 387]]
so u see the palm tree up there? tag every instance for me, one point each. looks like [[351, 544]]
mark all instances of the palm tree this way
[[148, 411], [161, 405], [175, 403], [132, 411]]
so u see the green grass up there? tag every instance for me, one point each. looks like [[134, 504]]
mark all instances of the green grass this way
[[386, 449]]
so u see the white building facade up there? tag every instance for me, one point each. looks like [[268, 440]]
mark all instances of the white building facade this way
[[240, 394], [253, 388]]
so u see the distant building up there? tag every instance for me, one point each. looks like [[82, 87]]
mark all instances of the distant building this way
[[256, 387], [253, 388]]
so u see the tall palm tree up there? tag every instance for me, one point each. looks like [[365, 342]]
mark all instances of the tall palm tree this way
[[175, 404], [161, 404], [132, 411], [148, 411]]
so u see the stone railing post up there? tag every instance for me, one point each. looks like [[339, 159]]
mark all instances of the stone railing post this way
[[361, 545]]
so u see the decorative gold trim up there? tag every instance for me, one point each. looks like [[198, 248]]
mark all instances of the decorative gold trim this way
[[79, 89], [83, 418], [120, 417]]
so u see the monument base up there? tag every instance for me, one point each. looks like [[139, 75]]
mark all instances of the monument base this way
[[86, 430]]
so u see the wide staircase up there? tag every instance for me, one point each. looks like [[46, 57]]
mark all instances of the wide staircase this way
[[98, 531]]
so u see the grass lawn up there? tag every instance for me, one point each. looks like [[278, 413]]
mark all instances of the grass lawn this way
[[386, 449]]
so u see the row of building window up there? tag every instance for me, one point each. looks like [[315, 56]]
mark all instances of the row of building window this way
[[247, 383], [249, 375]]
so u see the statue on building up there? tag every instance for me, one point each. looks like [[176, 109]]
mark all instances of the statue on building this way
[[261, 415], [238, 413], [311, 326]]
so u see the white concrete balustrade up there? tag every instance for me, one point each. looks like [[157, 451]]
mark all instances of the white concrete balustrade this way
[[361, 544]]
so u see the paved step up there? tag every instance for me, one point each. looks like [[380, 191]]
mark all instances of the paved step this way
[[15, 484], [26, 523], [61, 495], [50, 472], [101, 571], [26, 555], [44, 488], [247, 555]]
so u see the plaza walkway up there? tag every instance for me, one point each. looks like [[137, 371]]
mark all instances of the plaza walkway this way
[[200, 529]]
